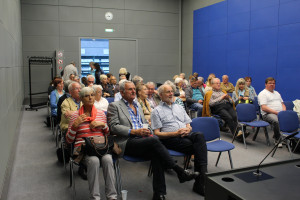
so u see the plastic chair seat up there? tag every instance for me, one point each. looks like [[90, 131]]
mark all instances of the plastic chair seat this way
[[176, 153], [296, 136], [219, 145], [256, 123]]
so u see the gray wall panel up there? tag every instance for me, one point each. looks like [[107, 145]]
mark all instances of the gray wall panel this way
[[39, 12], [99, 30], [40, 43], [188, 7], [81, 3], [50, 28], [46, 2], [156, 5], [75, 14], [119, 4], [162, 59], [69, 43], [158, 46], [99, 15], [154, 32], [76, 29], [151, 18]]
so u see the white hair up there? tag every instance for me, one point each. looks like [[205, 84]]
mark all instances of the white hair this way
[[103, 76], [95, 87], [90, 76], [85, 90], [122, 85], [178, 80]]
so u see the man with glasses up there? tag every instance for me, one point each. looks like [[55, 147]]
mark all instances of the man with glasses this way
[[271, 104], [90, 80], [194, 96], [172, 125]]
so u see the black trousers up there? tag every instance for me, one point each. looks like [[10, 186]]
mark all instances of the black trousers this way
[[227, 113], [194, 143], [152, 148]]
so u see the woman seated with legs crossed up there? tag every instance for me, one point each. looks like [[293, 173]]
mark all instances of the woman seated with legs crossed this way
[[89, 122]]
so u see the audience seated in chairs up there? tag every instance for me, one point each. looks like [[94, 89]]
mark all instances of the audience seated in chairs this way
[[172, 125], [113, 83], [208, 83], [226, 85], [201, 84], [185, 82], [271, 104], [69, 105], [153, 97], [62, 98], [89, 122], [194, 97], [252, 92], [100, 102], [107, 88], [137, 80], [241, 94], [218, 102], [55, 95], [90, 80], [176, 100], [142, 93], [126, 120], [179, 89]]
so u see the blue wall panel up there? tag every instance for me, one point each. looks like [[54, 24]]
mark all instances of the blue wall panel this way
[[239, 22], [238, 6], [259, 4], [258, 38], [289, 13], [264, 17]]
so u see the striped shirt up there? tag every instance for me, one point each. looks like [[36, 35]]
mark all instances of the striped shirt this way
[[84, 129], [216, 98]]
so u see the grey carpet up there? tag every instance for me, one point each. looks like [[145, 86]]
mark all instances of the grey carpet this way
[[36, 173]]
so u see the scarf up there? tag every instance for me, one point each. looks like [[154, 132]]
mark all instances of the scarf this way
[[93, 113]]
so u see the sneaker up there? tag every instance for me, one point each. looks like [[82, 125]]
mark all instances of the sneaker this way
[[279, 145]]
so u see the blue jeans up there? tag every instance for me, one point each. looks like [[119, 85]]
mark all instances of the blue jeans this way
[[198, 107]]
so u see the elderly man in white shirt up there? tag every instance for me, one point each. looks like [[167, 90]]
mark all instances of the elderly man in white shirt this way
[[271, 104], [100, 102]]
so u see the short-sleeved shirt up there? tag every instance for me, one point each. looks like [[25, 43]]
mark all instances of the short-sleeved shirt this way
[[271, 99], [169, 118]]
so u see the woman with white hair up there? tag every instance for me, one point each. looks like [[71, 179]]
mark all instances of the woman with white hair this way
[[123, 71], [100, 103], [88, 122], [179, 87]]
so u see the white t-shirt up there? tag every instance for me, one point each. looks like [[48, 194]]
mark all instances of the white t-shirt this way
[[271, 99], [102, 104]]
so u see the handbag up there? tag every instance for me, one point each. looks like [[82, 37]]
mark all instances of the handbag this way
[[98, 145], [101, 145]]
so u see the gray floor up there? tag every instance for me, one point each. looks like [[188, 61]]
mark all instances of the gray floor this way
[[36, 173]]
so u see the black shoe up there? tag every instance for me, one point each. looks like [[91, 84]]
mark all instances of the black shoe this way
[[158, 197], [186, 176], [82, 173], [199, 188]]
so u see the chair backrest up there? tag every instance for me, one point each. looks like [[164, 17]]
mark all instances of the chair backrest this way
[[246, 112], [289, 105], [288, 121], [110, 99], [255, 103], [209, 126]]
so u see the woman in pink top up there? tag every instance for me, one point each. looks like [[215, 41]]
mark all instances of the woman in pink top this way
[[88, 122]]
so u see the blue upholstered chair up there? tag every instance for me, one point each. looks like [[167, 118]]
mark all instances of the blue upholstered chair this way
[[210, 128], [110, 99], [247, 116], [289, 105], [288, 124]]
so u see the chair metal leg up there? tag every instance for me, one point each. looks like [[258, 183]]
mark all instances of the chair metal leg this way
[[267, 136], [296, 146], [150, 170], [187, 161], [71, 172], [62, 144], [218, 158], [230, 159], [289, 148], [118, 177], [255, 135], [244, 139], [280, 139]]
